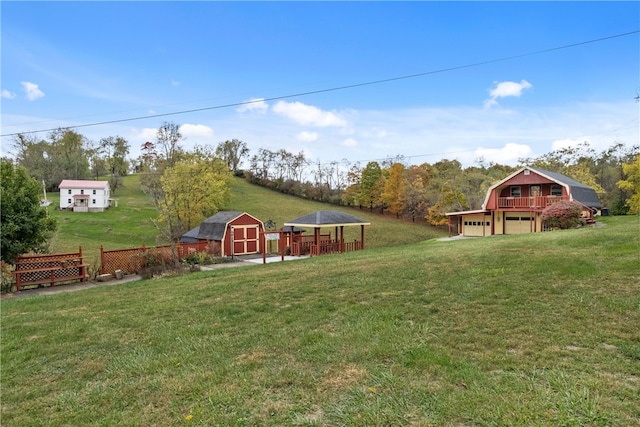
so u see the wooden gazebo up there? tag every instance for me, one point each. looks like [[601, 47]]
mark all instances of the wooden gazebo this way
[[320, 244]]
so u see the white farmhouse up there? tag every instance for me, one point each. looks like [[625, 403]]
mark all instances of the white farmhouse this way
[[84, 196]]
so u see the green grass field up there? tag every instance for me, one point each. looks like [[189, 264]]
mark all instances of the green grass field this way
[[528, 330], [131, 223]]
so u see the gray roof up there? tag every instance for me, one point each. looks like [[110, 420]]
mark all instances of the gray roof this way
[[581, 193], [190, 236], [326, 218], [290, 229], [213, 228]]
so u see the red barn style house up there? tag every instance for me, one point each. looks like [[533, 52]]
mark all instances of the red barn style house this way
[[515, 204]]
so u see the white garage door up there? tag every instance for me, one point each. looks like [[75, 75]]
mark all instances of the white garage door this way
[[518, 223]]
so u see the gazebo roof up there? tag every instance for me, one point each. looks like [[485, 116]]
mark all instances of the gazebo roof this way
[[326, 219]]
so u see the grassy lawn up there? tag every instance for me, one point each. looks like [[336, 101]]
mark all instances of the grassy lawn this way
[[130, 224], [523, 330]]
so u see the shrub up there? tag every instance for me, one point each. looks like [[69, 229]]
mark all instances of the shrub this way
[[564, 214]]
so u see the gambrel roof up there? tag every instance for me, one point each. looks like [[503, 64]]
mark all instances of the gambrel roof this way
[[214, 227], [579, 192]]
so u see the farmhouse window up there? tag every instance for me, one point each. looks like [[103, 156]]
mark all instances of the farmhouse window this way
[[556, 190], [69, 191], [94, 191], [93, 201], [515, 191], [81, 191], [68, 200]]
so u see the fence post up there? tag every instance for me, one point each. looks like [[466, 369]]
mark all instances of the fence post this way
[[101, 260]]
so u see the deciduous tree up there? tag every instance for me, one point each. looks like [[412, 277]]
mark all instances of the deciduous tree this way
[[25, 224], [194, 188], [631, 183], [232, 152]]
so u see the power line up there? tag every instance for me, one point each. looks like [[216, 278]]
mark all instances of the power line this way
[[338, 88]]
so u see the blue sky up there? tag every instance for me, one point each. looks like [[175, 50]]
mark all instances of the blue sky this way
[[67, 64]]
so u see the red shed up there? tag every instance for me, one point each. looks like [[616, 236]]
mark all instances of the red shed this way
[[237, 233]]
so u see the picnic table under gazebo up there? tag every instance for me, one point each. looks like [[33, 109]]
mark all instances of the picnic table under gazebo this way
[[320, 244]]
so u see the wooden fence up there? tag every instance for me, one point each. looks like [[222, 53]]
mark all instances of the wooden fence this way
[[49, 269], [133, 260]]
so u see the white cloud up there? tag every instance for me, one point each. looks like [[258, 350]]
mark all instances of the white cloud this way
[[350, 142], [175, 83], [307, 136], [255, 104], [507, 155], [505, 89], [7, 95], [145, 134], [308, 115], [196, 131], [32, 92]]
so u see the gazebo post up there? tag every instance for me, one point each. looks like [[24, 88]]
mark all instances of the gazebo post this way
[[362, 235], [281, 235], [316, 232], [341, 238]]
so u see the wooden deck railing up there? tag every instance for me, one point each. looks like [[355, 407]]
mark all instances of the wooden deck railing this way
[[325, 247], [529, 202], [335, 247]]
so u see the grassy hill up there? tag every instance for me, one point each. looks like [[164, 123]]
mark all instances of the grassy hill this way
[[537, 329], [130, 224]]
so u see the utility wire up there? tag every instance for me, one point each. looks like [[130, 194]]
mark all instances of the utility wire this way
[[338, 88]]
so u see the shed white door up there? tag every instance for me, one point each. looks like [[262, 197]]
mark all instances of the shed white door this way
[[246, 239]]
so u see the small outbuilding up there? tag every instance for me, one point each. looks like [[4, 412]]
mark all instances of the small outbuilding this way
[[229, 232], [319, 244]]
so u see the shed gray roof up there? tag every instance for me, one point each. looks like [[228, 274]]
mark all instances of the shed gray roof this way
[[213, 228], [190, 236], [326, 218], [580, 192]]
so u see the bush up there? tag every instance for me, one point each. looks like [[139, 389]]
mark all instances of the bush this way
[[563, 215]]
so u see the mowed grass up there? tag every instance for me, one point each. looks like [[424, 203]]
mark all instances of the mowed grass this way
[[523, 330], [131, 224]]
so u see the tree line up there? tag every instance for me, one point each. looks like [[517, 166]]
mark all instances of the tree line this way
[[428, 191]]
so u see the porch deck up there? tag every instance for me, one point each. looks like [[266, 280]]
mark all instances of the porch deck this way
[[528, 202]]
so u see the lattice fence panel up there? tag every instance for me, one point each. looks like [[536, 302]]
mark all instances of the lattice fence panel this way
[[130, 261]]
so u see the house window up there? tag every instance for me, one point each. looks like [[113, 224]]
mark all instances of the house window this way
[[69, 200], [93, 201], [69, 191], [94, 192], [515, 191], [556, 190], [535, 191], [81, 191]]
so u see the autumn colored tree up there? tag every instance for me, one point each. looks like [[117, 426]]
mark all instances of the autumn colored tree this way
[[395, 184], [415, 195], [192, 189], [631, 183]]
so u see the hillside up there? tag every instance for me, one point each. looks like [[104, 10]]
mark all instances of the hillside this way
[[131, 223], [536, 329]]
